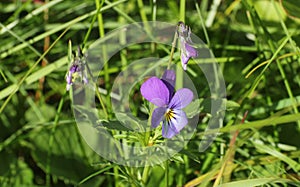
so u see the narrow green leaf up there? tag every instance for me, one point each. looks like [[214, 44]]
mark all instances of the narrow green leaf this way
[[46, 70], [253, 182], [272, 151], [8, 90]]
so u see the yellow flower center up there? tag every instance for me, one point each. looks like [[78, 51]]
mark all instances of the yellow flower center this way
[[169, 114]]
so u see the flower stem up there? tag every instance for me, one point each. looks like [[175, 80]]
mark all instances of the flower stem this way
[[104, 53], [173, 48], [145, 174], [179, 72], [167, 173]]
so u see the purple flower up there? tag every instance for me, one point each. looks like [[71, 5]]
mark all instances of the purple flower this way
[[187, 50], [76, 70], [160, 92]]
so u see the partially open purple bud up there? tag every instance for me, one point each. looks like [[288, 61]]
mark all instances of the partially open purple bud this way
[[77, 70], [186, 44]]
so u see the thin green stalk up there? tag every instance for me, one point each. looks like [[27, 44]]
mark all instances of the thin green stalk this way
[[285, 29], [94, 174], [182, 10], [146, 170], [91, 26], [255, 30], [56, 120], [100, 18], [30, 100], [288, 88], [105, 67], [30, 70], [212, 12], [123, 56], [179, 72], [21, 40], [153, 9], [173, 48], [3, 76], [142, 10], [203, 24], [129, 19], [106, 76], [167, 173], [276, 120], [56, 29], [186, 165], [145, 174], [30, 15], [272, 46], [148, 129], [101, 101], [257, 80], [122, 13], [145, 21]]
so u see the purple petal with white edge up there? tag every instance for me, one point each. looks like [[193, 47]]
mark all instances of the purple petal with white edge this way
[[190, 51], [181, 98], [85, 80], [168, 132], [175, 124], [69, 78], [157, 116], [169, 79], [184, 60], [178, 121], [184, 67], [155, 91]]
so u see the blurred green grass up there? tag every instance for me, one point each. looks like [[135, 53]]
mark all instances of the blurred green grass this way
[[40, 144]]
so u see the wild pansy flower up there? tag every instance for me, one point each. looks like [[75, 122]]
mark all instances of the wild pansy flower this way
[[186, 48], [77, 70], [161, 93]]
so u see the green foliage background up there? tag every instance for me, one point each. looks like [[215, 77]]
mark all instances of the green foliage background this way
[[39, 141]]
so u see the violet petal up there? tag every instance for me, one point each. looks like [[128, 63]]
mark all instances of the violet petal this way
[[181, 98], [69, 78], [178, 121], [155, 91], [169, 79], [167, 131], [157, 116], [190, 51], [74, 68], [184, 60]]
